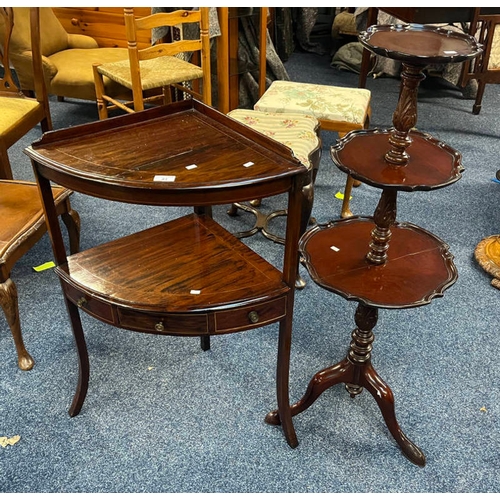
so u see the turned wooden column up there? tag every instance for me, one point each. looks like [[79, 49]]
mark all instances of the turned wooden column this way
[[405, 115]]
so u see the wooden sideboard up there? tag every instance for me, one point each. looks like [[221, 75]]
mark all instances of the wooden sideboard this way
[[105, 24]]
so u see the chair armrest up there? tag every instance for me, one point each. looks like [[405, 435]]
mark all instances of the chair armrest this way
[[77, 41], [49, 67], [23, 64]]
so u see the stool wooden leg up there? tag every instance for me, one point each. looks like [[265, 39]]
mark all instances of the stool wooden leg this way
[[346, 211], [349, 184]]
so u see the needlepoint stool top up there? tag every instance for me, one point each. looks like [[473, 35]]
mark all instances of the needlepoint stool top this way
[[296, 131], [325, 102]]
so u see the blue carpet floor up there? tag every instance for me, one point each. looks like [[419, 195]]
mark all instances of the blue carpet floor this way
[[163, 416]]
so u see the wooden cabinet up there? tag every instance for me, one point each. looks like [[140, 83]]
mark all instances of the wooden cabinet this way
[[105, 24]]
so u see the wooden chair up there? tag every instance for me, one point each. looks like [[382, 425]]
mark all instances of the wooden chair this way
[[19, 113], [66, 58], [157, 68], [23, 222], [486, 67], [340, 109]]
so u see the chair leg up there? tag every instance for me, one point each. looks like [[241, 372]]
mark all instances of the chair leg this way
[[479, 97], [102, 107], [167, 95], [350, 182], [5, 169], [346, 211], [10, 306], [71, 220]]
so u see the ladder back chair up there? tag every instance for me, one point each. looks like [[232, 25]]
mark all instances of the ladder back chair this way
[[151, 72], [20, 113]]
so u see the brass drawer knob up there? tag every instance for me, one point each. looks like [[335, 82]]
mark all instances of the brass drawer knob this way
[[159, 326], [253, 316], [81, 301]]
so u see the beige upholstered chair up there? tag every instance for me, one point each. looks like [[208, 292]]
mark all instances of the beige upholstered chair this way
[[340, 109], [154, 69], [67, 58]]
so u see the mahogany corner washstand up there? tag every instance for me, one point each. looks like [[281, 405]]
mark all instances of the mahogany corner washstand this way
[[377, 261], [188, 276]]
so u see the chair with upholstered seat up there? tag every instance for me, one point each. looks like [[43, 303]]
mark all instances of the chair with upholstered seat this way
[[151, 71], [67, 58], [339, 109], [23, 222], [299, 133], [19, 113]]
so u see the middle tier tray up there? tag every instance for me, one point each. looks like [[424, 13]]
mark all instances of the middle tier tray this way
[[432, 164]]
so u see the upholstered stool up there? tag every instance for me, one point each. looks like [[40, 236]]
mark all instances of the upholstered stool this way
[[340, 109], [300, 133]]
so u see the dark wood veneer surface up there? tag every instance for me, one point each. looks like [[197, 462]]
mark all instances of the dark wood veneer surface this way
[[131, 155], [418, 268], [431, 165], [188, 264]]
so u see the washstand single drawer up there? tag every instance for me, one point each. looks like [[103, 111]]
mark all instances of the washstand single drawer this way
[[194, 324], [251, 316], [89, 304]]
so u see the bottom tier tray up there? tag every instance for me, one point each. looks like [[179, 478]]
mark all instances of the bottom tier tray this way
[[419, 266], [188, 276]]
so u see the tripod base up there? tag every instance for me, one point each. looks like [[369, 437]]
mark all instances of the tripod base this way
[[357, 372]]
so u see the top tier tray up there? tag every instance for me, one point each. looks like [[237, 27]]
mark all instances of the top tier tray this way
[[185, 154], [420, 44], [403, 158]]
